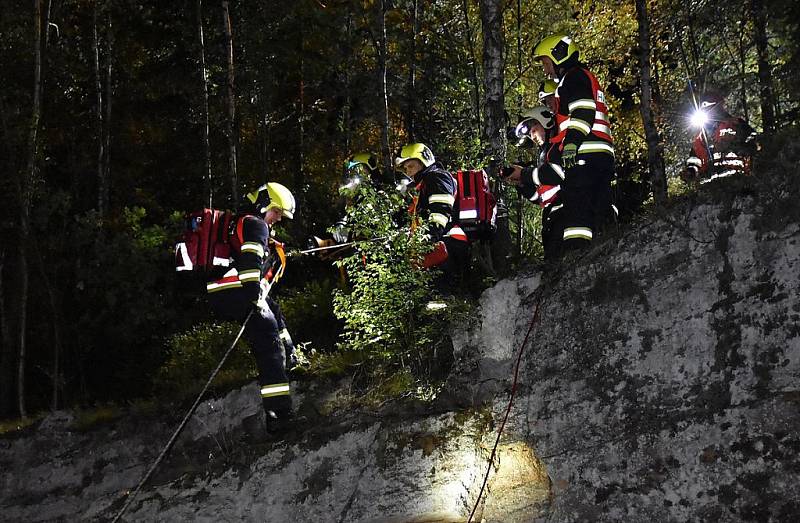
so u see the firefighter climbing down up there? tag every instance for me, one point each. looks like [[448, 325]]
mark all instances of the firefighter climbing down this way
[[245, 287], [361, 169]]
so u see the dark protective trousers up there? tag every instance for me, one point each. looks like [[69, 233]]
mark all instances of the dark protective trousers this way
[[262, 334], [451, 279], [586, 195]]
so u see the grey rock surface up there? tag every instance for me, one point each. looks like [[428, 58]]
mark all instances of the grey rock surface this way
[[659, 383]]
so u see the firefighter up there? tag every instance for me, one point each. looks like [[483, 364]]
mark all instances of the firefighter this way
[[244, 288], [586, 146], [724, 145], [361, 168], [433, 204], [541, 183], [547, 94]]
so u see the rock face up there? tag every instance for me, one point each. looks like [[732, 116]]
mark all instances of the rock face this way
[[659, 383]]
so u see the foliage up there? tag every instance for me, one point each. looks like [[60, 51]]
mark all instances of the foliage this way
[[388, 332], [309, 313], [89, 418], [194, 354], [382, 308]]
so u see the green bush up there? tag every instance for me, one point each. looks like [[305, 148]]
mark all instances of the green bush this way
[[193, 355], [388, 331]]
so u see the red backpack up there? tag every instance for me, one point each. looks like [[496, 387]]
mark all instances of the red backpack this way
[[205, 244], [475, 206]]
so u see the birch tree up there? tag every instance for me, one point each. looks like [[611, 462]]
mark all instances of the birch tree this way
[[384, 97]]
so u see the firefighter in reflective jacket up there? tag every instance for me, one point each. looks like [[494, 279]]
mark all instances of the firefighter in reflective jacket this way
[[723, 147], [244, 287], [541, 183], [436, 194], [586, 146], [361, 169]]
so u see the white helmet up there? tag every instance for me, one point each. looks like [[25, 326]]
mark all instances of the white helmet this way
[[540, 115]]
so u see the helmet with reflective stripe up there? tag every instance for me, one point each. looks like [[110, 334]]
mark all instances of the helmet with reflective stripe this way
[[547, 88], [418, 151], [272, 195], [559, 48], [368, 160]]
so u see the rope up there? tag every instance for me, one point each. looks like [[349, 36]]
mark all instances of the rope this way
[[534, 319], [180, 428]]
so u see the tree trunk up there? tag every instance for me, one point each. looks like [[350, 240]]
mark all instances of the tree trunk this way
[[655, 157], [106, 194], [26, 189], [208, 182], [494, 136], [300, 173], [476, 89], [231, 105], [493, 80], [347, 133], [99, 126], [55, 317], [412, 74], [6, 349], [385, 152], [743, 48], [520, 217], [766, 92]]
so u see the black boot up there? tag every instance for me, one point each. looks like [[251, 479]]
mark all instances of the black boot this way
[[278, 424]]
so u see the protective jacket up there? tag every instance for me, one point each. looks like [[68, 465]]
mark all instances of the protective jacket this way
[[234, 295], [583, 122], [582, 113], [541, 183], [731, 143], [434, 203]]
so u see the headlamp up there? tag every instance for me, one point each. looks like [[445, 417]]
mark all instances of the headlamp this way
[[350, 183], [523, 128], [699, 118]]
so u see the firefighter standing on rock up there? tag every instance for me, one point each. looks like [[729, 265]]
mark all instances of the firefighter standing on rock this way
[[723, 147], [587, 151], [541, 183]]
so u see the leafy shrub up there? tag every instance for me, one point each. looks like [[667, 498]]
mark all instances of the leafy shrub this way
[[193, 355], [382, 309], [389, 336], [309, 314]]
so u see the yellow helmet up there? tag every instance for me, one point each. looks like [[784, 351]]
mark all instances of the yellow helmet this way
[[418, 151], [273, 195], [559, 48], [547, 88]]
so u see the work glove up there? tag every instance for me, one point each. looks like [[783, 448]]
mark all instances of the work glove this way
[[569, 156], [341, 232]]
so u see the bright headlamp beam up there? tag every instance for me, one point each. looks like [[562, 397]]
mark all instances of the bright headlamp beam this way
[[699, 118]]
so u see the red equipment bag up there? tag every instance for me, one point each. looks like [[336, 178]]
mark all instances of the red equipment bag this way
[[205, 244], [475, 204]]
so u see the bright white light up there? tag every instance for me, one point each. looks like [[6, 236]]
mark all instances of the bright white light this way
[[699, 118], [435, 305]]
